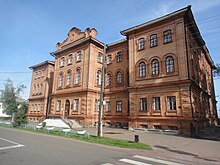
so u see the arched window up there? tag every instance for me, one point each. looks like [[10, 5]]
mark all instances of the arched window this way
[[62, 60], [70, 59], [119, 56], [119, 77], [142, 69], [78, 76], [69, 78], [155, 67], [61, 80], [99, 77], [79, 56], [169, 64], [141, 44], [109, 79]]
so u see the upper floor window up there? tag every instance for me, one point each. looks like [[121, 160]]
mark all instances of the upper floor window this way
[[70, 59], [118, 106], [119, 56], [171, 102], [100, 58], [42, 73], [169, 64], [142, 69], [76, 104], [79, 56], [61, 80], [155, 67], [40, 88], [36, 75], [167, 36], [119, 77], [141, 44], [58, 105], [99, 77], [153, 40], [35, 90], [62, 60], [107, 106], [97, 104], [143, 104], [156, 103], [69, 78], [78, 76], [109, 59], [109, 79]]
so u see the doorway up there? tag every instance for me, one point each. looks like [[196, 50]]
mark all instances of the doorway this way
[[67, 108]]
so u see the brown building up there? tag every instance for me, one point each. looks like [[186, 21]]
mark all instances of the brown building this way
[[160, 77]]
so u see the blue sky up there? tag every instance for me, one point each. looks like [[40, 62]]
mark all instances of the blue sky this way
[[30, 29]]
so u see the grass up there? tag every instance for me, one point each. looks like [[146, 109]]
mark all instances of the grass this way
[[89, 138]]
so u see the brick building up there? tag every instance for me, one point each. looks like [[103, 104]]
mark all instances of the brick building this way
[[160, 76]]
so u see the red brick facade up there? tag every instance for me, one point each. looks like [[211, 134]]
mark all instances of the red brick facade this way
[[160, 76]]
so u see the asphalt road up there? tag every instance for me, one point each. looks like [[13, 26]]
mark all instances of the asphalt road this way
[[36, 149], [27, 148]]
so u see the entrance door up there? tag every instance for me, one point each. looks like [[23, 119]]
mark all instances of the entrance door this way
[[67, 108]]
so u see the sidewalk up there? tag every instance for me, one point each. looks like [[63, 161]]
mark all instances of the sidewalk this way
[[175, 146]]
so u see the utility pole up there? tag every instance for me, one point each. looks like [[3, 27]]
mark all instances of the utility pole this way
[[102, 95]]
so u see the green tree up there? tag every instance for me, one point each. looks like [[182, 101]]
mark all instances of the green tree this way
[[21, 115], [12, 105], [216, 71]]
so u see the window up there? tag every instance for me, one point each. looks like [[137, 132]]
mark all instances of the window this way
[[109, 59], [99, 77], [167, 36], [155, 67], [62, 62], [156, 103], [36, 75], [35, 90], [78, 76], [97, 103], [69, 78], [79, 56], [76, 104], [143, 104], [118, 106], [141, 44], [61, 80], [108, 109], [142, 69], [171, 102], [42, 73], [119, 77], [109, 79], [38, 107], [119, 57], [153, 40], [40, 88], [169, 64], [70, 59], [58, 105], [100, 58]]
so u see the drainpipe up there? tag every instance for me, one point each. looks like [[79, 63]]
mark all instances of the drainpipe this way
[[189, 78]]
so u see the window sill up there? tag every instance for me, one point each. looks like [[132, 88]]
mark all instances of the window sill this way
[[167, 42], [140, 49], [69, 64], [78, 61], [155, 75]]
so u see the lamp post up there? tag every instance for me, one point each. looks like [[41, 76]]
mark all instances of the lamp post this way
[[101, 95]]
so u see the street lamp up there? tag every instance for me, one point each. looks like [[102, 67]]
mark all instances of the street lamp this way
[[102, 95]]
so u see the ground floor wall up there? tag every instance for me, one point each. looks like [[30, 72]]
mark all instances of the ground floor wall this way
[[175, 107]]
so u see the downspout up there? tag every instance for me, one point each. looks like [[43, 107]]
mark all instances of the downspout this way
[[192, 124], [87, 81], [187, 57]]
